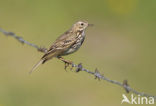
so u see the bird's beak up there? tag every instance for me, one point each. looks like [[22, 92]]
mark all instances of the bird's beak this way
[[90, 24]]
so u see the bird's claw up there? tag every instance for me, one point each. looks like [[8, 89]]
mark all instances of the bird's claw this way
[[67, 64]]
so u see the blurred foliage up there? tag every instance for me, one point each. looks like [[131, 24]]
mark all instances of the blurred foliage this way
[[121, 45]]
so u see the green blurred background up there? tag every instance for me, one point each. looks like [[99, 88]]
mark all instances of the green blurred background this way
[[122, 45]]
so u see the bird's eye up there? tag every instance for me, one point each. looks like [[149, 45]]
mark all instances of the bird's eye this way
[[82, 24]]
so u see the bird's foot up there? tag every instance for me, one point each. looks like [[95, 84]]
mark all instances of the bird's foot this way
[[67, 63]]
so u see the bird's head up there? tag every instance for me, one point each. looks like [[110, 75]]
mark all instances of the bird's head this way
[[81, 26]]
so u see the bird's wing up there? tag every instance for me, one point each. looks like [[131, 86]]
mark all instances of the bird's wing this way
[[61, 44], [64, 35]]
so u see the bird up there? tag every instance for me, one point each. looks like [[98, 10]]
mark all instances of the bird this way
[[67, 43]]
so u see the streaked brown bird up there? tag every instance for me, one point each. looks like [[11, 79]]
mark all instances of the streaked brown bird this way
[[67, 43]]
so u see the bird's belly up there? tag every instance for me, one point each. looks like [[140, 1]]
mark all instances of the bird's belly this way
[[74, 47]]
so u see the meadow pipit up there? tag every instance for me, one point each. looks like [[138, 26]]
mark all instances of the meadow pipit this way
[[67, 43]]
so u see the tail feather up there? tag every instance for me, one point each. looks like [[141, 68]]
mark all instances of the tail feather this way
[[35, 66]]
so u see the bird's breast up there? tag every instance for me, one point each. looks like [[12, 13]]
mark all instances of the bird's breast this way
[[76, 45]]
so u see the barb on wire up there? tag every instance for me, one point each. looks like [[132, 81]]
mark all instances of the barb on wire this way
[[79, 67], [125, 85]]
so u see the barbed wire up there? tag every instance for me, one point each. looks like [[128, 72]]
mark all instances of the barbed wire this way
[[21, 40], [79, 67]]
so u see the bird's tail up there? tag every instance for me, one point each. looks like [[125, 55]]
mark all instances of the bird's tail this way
[[36, 65]]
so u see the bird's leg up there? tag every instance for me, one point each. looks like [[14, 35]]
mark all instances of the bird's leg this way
[[67, 62]]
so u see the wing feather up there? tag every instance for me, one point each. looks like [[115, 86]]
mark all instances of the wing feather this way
[[61, 44]]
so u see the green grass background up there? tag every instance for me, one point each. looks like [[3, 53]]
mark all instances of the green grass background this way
[[122, 45]]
